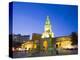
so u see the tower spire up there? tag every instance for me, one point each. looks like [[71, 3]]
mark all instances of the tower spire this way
[[47, 20], [47, 29]]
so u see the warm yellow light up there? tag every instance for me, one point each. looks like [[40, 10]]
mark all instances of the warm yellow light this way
[[47, 29], [45, 44], [35, 46], [64, 42], [27, 45], [13, 49]]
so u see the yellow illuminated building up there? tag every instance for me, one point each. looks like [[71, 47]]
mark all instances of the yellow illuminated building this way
[[64, 42], [27, 45]]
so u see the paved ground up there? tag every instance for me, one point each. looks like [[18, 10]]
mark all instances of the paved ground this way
[[66, 51], [58, 52]]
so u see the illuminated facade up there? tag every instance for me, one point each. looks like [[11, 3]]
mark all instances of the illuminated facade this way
[[47, 29], [64, 42], [27, 45]]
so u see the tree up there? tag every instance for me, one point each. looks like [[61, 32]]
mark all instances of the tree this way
[[74, 38]]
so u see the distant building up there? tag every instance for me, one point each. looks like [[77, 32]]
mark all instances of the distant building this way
[[16, 37], [24, 38], [20, 38]]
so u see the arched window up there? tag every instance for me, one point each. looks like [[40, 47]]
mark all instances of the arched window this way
[[45, 44]]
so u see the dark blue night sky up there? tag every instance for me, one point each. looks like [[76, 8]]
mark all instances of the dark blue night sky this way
[[30, 18]]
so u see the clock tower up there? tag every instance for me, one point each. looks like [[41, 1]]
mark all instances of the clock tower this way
[[47, 29], [47, 38]]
